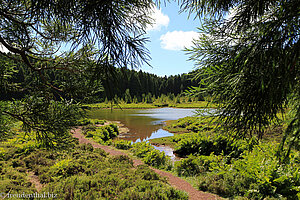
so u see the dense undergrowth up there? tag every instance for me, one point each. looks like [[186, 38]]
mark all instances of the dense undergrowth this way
[[230, 167], [218, 163], [81, 172], [212, 161]]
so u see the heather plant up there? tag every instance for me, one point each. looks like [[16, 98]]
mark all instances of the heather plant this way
[[82, 172], [122, 144]]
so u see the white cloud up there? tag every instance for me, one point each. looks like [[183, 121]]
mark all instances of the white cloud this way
[[159, 20], [177, 40], [3, 49]]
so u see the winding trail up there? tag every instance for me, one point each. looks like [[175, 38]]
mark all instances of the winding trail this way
[[175, 181]]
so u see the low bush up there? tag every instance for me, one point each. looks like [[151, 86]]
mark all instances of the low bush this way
[[141, 149], [207, 143], [13, 181], [106, 178], [88, 121], [150, 155], [155, 158], [257, 175], [81, 172], [234, 168], [122, 144], [194, 165], [147, 191], [102, 134], [191, 124]]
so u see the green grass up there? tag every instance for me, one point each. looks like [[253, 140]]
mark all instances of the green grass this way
[[167, 141], [199, 104], [184, 127], [121, 106]]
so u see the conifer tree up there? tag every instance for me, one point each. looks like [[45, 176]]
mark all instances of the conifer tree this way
[[249, 51], [96, 37]]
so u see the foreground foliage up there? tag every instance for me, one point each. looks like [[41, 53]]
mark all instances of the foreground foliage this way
[[78, 173], [256, 175], [249, 53], [53, 52], [231, 167]]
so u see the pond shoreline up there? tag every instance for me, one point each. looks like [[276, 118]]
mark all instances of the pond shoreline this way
[[144, 124], [193, 105]]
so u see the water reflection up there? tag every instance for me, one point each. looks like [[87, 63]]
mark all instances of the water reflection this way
[[143, 124], [157, 134], [168, 151]]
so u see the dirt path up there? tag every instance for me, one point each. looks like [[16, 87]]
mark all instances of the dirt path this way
[[35, 181], [173, 180]]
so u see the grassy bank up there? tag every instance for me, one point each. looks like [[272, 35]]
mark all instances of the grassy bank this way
[[184, 128], [122, 105]]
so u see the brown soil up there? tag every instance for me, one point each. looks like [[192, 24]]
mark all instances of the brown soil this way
[[173, 180]]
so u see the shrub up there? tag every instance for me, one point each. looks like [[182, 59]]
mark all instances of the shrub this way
[[65, 168], [140, 149], [83, 122], [150, 155], [103, 134], [151, 190], [108, 178], [99, 121], [115, 128], [82, 172], [86, 147], [122, 144], [257, 175], [155, 158], [205, 144], [88, 128], [146, 173], [2, 153], [86, 121], [123, 159], [196, 144], [194, 165]]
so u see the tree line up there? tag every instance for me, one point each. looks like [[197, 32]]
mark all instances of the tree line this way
[[137, 86]]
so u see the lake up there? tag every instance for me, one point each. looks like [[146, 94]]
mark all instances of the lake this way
[[143, 124]]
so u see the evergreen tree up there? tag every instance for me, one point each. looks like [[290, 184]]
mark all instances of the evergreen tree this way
[[249, 52], [127, 96], [101, 36]]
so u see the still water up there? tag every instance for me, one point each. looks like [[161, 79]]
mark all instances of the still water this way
[[143, 124]]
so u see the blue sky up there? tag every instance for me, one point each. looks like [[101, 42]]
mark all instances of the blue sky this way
[[168, 36]]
